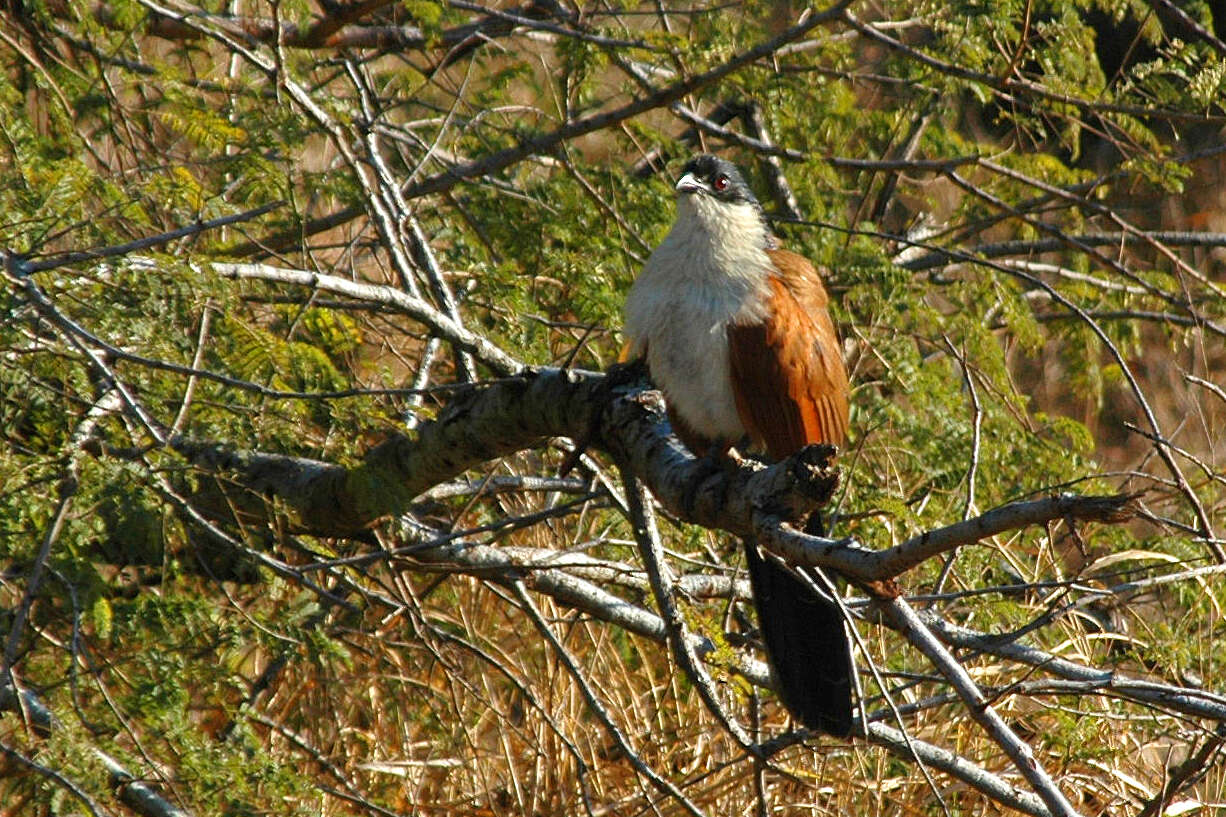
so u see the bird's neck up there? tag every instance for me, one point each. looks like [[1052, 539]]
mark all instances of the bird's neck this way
[[736, 225], [717, 245], [711, 271]]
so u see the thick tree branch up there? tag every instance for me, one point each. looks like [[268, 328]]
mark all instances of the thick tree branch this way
[[499, 418]]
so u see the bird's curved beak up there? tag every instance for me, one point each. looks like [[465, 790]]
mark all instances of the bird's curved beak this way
[[689, 183]]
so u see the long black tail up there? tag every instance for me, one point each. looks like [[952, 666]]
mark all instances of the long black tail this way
[[806, 644]]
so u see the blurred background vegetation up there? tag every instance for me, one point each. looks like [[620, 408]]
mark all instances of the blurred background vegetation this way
[[1022, 210]]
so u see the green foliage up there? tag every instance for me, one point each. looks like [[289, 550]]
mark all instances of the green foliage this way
[[977, 381]]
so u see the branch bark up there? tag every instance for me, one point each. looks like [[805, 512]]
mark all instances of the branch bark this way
[[494, 419]]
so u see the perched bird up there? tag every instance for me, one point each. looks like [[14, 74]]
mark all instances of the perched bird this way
[[735, 331]]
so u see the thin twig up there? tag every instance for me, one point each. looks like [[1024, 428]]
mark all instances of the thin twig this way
[[598, 708], [647, 535], [63, 260], [978, 707]]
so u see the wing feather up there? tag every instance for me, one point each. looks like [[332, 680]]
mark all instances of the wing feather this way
[[788, 377]]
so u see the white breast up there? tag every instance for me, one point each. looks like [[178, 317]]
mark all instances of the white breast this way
[[710, 270]]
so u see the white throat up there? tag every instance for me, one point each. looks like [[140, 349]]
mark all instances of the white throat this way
[[726, 239], [710, 271]]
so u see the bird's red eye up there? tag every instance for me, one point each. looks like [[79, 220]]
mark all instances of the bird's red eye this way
[[720, 184]]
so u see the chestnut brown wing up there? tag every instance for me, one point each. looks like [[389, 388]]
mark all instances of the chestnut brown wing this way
[[787, 370], [791, 389]]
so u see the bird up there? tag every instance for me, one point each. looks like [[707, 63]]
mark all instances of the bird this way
[[736, 332]]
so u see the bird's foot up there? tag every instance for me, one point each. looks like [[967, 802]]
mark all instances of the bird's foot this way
[[627, 373], [711, 464], [618, 375]]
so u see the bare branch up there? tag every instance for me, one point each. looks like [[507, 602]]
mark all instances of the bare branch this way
[[854, 561], [24, 267], [1046, 245], [957, 767], [642, 516], [136, 795], [416, 308], [545, 143], [1192, 702], [906, 620]]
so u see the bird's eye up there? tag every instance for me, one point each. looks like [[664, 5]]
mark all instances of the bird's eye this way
[[720, 184]]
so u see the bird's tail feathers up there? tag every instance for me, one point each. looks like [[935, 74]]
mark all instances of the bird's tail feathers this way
[[806, 644]]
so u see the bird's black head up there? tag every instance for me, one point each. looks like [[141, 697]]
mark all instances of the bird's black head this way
[[707, 175]]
